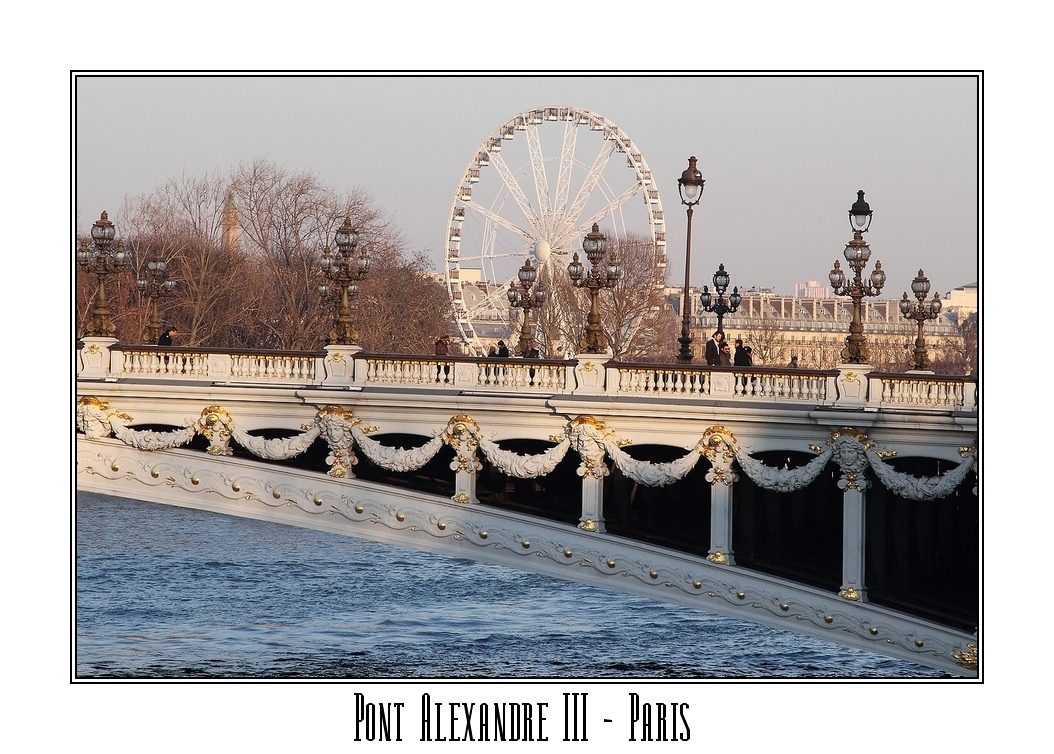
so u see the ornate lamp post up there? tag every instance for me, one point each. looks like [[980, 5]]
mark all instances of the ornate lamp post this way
[[155, 285], [920, 312], [526, 301], [721, 305], [594, 245], [690, 187], [343, 269], [101, 258], [857, 252]]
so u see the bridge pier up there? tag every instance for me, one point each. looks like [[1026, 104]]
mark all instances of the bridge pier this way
[[592, 504], [721, 525], [854, 502]]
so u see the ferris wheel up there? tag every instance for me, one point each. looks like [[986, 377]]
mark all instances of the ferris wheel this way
[[533, 189]]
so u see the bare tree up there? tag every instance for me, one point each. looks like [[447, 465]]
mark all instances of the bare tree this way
[[186, 222]]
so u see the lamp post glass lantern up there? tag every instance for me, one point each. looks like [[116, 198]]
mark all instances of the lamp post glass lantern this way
[[526, 300], [595, 247], [343, 269], [101, 256], [155, 285], [920, 312], [721, 305], [857, 252], [690, 188]]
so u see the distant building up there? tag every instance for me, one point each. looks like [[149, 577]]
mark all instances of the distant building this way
[[961, 302], [812, 289]]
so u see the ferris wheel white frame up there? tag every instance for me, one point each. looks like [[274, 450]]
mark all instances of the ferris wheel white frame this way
[[556, 218]]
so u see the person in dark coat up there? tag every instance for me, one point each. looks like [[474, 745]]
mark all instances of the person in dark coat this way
[[503, 350], [713, 349], [166, 336]]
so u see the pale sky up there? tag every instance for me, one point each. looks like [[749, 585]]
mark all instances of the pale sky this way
[[782, 155]]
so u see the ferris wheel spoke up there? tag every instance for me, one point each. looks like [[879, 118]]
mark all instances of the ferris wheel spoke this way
[[514, 189], [541, 182], [611, 207], [592, 178], [567, 164], [497, 219]]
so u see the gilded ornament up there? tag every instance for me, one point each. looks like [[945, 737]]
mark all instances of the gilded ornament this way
[[483, 534], [236, 487], [850, 377], [611, 564], [358, 509], [568, 553], [441, 526], [850, 594], [697, 584], [919, 643], [526, 544], [318, 501], [741, 595], [966, 659], [589, 366], [461, 497], [828, 619], [784, 606], [400, 517], [873, 630], [94, 348], [276, 495], [338, 357], [717, 558], [587, 419], [653, 573], [588, 525]]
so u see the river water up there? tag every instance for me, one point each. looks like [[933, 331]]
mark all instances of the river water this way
[[172, 593]]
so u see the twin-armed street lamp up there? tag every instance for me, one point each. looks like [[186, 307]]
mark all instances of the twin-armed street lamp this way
[[102, 257], [526, 300], [857, 252], [920, 312], [343, 269], [155, 285], [690, 187], [594, 245], [721, 305]]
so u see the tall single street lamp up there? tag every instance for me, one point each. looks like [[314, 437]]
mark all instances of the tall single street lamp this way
[[690, 187], [102, 257], [343, 269], [594, 245], [721, 305], [526, 300], [155, 285], [857, 252], [920, 312]]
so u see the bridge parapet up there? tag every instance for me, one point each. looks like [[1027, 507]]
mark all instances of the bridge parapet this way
[[348, 366]]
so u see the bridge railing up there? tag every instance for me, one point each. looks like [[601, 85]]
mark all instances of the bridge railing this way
[[347, 366], [814, 386]]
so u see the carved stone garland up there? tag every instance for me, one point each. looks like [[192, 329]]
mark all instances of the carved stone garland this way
[[849, 448]]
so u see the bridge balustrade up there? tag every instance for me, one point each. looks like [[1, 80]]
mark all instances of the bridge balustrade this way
[[347, 366]]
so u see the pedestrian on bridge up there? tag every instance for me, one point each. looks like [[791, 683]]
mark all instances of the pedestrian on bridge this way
[[713, 349], [166, 336]]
